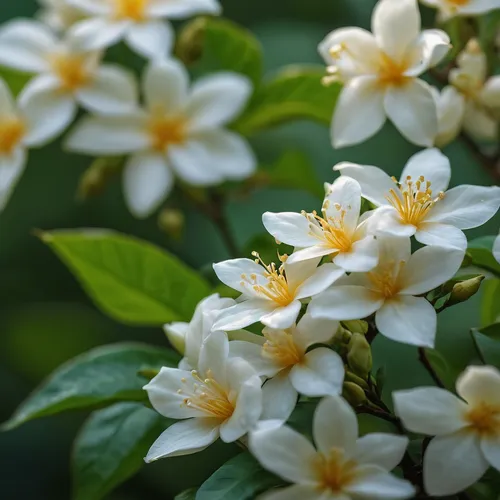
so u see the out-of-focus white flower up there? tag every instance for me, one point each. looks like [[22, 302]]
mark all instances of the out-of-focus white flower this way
[[380, 75], [187, 338], [337, 232], [451, 109], [59, 14], [281, 356], [420, 205], [269, 294], [65, 77], [179, 130], [223, 397], [496, 248], [391, 290], [452, 8], [20, 129], [482, 94], [341, 467], [141, 23], [467, 433]]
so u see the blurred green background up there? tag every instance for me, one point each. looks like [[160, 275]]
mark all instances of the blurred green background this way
[[45, 318]]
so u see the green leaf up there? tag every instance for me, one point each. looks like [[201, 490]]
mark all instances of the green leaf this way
[[241, 478], [15, 80], [297, 92], [187, 494], [95, 379], [480, 251], [217, 44], [490, 312], [491, 331], [111, 447], [130, 280], [442, 368]]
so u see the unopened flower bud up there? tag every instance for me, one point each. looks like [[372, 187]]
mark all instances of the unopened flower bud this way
[[176, 334], [356, 326], [465, 290], [189, 48], [94, 179], [148, 373], [342, 335], [352, 377], [353, 394], [359, 356], [172, 222]]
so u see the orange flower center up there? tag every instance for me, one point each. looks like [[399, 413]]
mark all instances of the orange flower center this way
[[131, 9], [281, 348], [72, 69], [165, 131], [385, 278], [459, 2], [484, 419], [391, 72], [335, 473], [12, 130]]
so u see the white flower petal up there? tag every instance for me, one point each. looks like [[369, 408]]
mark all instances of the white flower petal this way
[[152, 39], [24, 45], [179, 9], [479, 384], [97, 33], [343, 434], [451, 110], [300, 492], [285, 453], [185, 438], [490, 446], [112, 91], [490, 94], [362, 257], [427, 50], [323, 277], [443, 235], [387, 222], [108, 135], [466, 206], [233, 273], [308, 254], [428, 268], [359, 113], [217, 99], [252, 353], [282, 317], [311, 331], [7, 104], [345, 303], [431, 164], [452, 463], [429, 410], [214, 353], [476, 7], [290, 228], [147, 181], [496, 249], [478, 123], [278, 398], [407, 319], [384, 450], [344, 193], [92, 7], [243, 314], [321, 373], [11, 169], [413, 111]]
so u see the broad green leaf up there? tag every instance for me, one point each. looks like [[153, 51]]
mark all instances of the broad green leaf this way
[[187, 494], [490, 308], [111, 447], [442, 368], [491, 331], [15, 80], [217, 44], [297, 92], [241, 478], [488, 347], [480, 251], [131, 280], [95, 379]]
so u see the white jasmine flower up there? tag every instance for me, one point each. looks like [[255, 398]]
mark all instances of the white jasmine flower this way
[[481, 94], [452, 8], [419, 204], [496, 248], [187, 338], [281, 356], [467, 433], [178, 130], [451, 109], [391, 291], [141, 23], [59, 14], [269, 294], [337, 232], [380, 75], [341, 467], [65, 76], [222, 398]]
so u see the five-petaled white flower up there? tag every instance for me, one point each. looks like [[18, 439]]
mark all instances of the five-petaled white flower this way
[[391, 291], [467, 433], [281, 356], [65, 76], [380, 75], [420, 205], [336, 232], [59, 14], [451, 109], [179, 130], [341, 467], [20, 129], [480, 94], [223, 397], [271, 294], [187, 338], [452, 8], [141, 23]]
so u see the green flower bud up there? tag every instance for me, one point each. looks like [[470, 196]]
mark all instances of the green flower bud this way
[[465, 290], [95, 178], [352, 377], [189, 48], [359, 356], [356, 326], [342, 335], [148, 373], [172, 222], [353, 394]]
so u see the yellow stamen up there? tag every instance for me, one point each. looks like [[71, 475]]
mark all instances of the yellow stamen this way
[[385, 278], [12, 130], [281, 348], [131, 9], [208, 396], [391, 72], [459, 3], [334, 471], [413, 200], [72, 69], [165, 130], [484, 419]]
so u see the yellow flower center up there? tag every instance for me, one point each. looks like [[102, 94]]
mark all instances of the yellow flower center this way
[[413, 200], [12, 130], [391, 72], [281, 348], [335, 473], [484, 419], [72, 69], [165, 130], [207, 395], [277, 288], [131, 9], [458, 3], [385, 278]]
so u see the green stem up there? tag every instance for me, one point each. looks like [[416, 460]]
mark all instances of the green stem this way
[[422, 356]]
